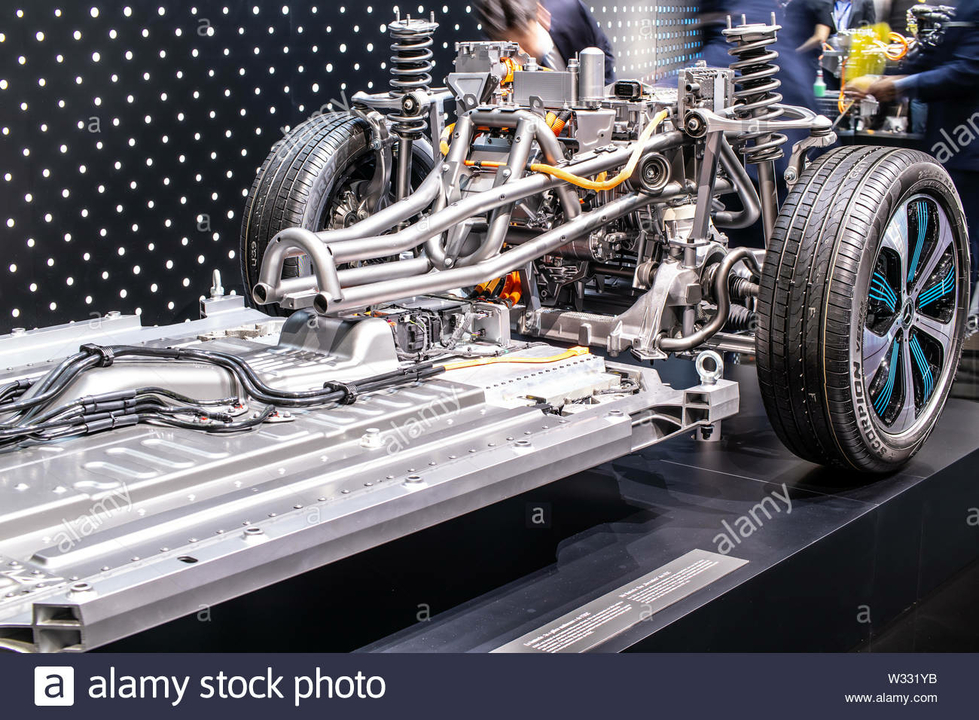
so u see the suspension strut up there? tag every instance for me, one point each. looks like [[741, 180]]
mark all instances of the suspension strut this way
[[757, 99], [411, 73]]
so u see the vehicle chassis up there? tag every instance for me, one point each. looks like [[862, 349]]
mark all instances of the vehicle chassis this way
[[106, 535]]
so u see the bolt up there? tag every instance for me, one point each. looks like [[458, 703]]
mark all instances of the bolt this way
[[371, 439], [217, 290]]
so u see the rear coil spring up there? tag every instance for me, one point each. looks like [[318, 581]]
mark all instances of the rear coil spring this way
[[411, 69], [756, 88]]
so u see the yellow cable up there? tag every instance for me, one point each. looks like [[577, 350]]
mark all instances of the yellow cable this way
[[618, 179], [444, 140], [506, 359], [597, 185]]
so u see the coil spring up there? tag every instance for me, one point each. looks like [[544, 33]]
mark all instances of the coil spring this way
[[756, 87], [411, 69]]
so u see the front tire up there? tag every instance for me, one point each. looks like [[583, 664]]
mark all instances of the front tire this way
[[862, 308]]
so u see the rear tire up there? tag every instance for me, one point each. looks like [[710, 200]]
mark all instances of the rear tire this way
[[862, 308], [299, 183]]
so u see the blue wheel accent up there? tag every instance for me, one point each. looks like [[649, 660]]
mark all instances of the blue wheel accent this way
[[938, 291], [924, 367], [884, 397], [880, 290], [922, 208]]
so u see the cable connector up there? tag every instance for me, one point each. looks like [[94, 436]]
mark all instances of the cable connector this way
[[349, 391], [105, 353]]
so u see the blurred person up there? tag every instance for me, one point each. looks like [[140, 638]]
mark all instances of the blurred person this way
[[896, 14], [833, 16], [552, 31], [947, 78], [818, 15], [850, 14]]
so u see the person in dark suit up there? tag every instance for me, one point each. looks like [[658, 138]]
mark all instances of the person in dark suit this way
[[849, 14], [947, 78], [552, 31]]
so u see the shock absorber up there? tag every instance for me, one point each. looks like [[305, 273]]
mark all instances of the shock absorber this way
[[757, 99], [411, 73]]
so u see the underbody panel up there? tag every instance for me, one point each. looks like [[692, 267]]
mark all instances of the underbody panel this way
[[106, 535]]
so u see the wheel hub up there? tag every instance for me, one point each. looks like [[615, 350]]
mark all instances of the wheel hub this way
[[907, 315]]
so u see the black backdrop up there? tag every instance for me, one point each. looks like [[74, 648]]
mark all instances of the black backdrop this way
[[130, 132]]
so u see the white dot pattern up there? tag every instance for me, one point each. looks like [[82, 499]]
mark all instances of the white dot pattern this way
[[130, 133], [651, 41]]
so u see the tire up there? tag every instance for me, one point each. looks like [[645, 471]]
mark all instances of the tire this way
[[298, 183], [856, 360]]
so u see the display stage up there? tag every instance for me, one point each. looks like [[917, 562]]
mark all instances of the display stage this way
[[831, 558]]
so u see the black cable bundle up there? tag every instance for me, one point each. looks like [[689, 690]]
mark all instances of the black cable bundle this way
[[28, 411]]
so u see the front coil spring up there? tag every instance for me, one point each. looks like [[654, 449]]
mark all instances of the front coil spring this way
[[756, 88], [411, 69]]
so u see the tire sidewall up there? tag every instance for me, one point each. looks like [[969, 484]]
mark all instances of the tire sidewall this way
[[354, 144], [350, 151], [928, 178]]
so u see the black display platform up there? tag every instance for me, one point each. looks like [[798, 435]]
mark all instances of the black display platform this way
[[852, 555]]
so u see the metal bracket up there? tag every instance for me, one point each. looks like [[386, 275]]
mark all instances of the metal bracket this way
[[805, 119], [380, 184], [798, 159]]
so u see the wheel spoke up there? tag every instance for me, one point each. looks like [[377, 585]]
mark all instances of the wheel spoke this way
[[885, 393], [917, 243], [934, 256], [907, 414], [923, 369], [940, 331], [875, 348]]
